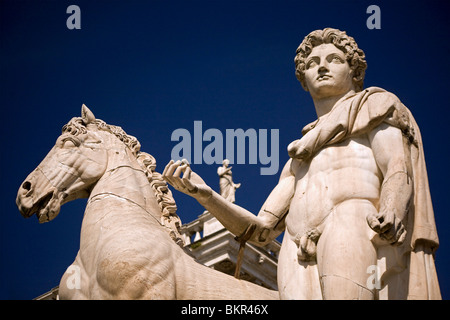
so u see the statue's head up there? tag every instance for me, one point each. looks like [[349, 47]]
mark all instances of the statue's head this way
[[355, 56]]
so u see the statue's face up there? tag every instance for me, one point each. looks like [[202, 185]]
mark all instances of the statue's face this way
[[327, 72]]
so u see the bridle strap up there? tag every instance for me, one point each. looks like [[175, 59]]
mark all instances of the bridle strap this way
[[93, 198]]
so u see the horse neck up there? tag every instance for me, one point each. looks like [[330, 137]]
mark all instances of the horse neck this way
[[124, 178]]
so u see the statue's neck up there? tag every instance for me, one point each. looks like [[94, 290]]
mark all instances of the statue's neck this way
[[126, 179], [121, 202], [324, 105]]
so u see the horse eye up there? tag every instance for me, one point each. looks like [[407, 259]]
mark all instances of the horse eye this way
[[70, 142]]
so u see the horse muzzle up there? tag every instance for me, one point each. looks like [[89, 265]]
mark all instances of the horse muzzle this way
[[45, 206]]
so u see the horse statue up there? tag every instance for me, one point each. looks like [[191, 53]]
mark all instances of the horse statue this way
[[130, 244]]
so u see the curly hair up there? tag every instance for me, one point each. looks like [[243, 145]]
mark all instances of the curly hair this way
[[355, 56]]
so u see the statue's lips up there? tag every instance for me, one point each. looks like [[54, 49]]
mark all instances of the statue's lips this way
[[39, 207], [324, 77]]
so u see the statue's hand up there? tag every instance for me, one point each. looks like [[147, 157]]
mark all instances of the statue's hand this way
[[388, 226], [180, 176]]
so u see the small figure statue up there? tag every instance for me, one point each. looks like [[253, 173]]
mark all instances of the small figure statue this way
[[227, 186]]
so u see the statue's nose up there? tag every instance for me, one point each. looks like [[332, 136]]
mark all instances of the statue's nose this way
[[322, 69], [26, 188], [24, 200]]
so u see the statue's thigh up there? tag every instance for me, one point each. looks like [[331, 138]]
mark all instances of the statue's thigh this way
[[345, 251]]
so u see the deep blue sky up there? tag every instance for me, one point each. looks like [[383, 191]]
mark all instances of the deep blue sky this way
[[155, 66]]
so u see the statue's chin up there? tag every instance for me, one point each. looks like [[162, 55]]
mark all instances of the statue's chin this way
[[50, 211]]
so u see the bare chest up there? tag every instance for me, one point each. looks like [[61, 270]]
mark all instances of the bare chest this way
[[337, 173]]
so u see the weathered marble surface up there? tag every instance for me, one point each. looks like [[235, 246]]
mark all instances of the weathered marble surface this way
[[353, 199], [130, 240]]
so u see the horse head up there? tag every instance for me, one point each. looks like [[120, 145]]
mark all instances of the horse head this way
[[75, 163]]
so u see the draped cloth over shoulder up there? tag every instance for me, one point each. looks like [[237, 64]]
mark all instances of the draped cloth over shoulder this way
[[357, 114]]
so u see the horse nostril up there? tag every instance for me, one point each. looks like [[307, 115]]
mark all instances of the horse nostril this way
[[26, 185]]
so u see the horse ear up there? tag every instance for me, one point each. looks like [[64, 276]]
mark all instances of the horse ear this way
[[87, 115]]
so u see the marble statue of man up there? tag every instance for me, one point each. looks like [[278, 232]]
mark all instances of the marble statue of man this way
[[353, 199], [227, 186]]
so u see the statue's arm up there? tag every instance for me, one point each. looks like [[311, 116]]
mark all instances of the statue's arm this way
[[221, 171], [392, 156], [273, 212], [269, 222]]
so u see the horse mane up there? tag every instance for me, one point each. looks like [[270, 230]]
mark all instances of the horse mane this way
[[166, 202]]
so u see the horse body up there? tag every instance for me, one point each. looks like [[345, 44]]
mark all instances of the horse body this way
[[127, 248]]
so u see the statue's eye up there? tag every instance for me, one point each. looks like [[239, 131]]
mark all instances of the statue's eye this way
[[336, 59], [311, 64], [70, 142]]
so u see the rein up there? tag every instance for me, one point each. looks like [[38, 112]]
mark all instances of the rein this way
[[93, 198], [124, 166], [242, 239]]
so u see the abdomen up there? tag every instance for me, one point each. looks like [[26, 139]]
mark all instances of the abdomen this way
[[337, 173]]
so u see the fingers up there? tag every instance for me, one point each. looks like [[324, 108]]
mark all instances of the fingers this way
[[178, 182], [164, 174], [380, 222], [170, 172], [388, 227], [396, 234], [177, 174], [373, 222], [386, 222], [187, 181]]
